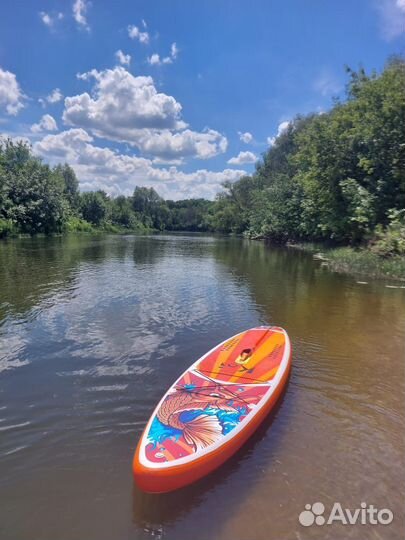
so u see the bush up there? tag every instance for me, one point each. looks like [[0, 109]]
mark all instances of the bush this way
[[111, 228], [7, 228], [78, 225], [390, 240]]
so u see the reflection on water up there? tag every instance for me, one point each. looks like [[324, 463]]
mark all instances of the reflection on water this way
[[94, 329]]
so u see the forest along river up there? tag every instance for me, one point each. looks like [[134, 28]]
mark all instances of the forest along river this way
[[93, 330]]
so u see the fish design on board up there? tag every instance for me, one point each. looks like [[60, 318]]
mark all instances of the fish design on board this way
[[203, 428]]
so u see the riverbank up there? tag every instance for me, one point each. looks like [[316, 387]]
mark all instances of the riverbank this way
[[75, 226], [360, 262], [78, 225]]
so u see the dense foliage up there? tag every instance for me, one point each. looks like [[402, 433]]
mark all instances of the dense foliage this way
[[338, 177], [32, 195]]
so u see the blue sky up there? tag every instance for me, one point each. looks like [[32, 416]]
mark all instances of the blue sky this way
[[178, 95]]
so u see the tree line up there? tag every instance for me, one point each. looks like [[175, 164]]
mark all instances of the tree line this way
[[36, 198], [334, 177], [338, 176]]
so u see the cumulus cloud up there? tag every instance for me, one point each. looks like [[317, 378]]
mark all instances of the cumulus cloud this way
[[392, 18], [129, 109], [104, 168], [50, 20], [47, 123], [54, 97], [11, 96], [281, 128], [16, 138], [245, 137], [66, 144], [126, 102], [155, 60], [168, 146], [80, 8], [135, 33], [243, 157], [124, 59]]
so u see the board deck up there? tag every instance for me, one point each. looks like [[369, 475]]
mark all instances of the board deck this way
[[212, 404]]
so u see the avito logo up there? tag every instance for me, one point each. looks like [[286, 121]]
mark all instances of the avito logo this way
[[367, 514]]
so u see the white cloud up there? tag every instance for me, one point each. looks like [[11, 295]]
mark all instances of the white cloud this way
[[104, 168], [47, 123], [281, 128], [243, 157], [124, 59], [155, 60], [80, 8], [126, 102], [55, 96], [46, 18], [245, 137], [66, 144], [50, 20], [392, 18], [174, 51], [167, 146], [327, 84], [135, 33], [16, 138], [129, 109], [11, 96]]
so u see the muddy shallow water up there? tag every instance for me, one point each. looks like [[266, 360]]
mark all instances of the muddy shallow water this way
[[94, 329]]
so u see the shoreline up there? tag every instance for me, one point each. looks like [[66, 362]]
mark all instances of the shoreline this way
[[358, 262]]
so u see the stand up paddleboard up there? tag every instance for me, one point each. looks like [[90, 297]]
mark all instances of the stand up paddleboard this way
[[212, 409]]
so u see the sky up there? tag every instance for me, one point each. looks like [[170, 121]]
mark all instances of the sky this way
[[178, 95]]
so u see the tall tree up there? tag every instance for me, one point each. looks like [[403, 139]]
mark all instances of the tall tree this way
[[71, 185], [94, 207]]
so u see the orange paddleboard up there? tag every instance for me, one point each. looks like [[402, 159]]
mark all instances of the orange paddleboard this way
[[212, 409]]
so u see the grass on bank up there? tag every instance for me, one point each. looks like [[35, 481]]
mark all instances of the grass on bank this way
[[360, 261], [8, 229], [79, 225], [365, 262], [382, 257]]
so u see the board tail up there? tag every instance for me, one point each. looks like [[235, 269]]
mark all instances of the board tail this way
[[202, 431]]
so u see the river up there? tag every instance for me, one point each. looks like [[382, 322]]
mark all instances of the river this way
[[93, 330]]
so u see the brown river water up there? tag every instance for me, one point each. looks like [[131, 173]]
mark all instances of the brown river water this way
[[93, 330]]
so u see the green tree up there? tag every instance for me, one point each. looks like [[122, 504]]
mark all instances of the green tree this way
[[151, 208], [122, 213], [31, 193], [333, 176], [94, 207], [71, 185]]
